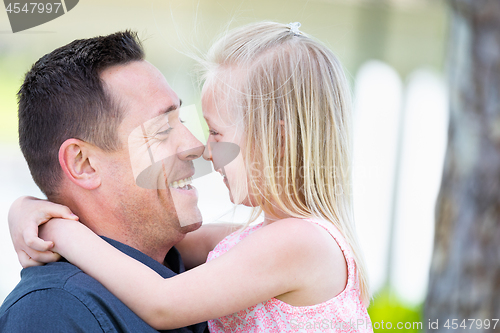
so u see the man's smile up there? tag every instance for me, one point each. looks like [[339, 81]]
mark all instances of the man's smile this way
[[183, 184]]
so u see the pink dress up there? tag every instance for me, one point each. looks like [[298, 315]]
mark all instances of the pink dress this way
[[343, 313]]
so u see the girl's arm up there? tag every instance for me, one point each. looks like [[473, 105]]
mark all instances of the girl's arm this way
[[196, 245], [25, 215], [268, 263]]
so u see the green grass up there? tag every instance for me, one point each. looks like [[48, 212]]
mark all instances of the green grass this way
[[387, 311]]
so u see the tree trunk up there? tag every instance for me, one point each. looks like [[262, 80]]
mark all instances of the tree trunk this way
[[465, 271]]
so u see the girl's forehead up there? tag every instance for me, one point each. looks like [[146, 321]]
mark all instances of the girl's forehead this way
[[214, 107], [225, 78], [221, 95], [216, 95], [215, 87]]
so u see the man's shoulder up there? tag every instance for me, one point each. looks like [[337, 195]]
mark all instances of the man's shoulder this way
[[54, 279], [46, 296], [61, 293], [48, 310], [53, 276], [61, 298]]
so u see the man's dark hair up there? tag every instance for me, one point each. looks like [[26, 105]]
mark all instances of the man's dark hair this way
[[63, 97]]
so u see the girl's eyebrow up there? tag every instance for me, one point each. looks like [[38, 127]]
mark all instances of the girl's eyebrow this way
[[207, 120]]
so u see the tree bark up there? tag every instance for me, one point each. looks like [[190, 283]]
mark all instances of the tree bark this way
[[464, 278]]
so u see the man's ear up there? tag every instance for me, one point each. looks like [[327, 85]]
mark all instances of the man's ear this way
[[77, 161]]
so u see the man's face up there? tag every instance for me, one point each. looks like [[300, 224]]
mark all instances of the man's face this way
[[155, 146]]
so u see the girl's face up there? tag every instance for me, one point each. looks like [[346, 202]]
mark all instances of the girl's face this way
[[224, 126]]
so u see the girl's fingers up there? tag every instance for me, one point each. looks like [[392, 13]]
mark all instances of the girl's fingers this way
[[26, 260], [43, 257], [52, 210], [31, 239]]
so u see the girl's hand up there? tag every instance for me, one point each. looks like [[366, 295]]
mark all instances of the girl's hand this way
[[25, 216]]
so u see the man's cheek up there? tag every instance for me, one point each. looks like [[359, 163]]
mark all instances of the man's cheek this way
[[167, 201]]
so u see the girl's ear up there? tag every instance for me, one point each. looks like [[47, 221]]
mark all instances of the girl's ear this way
[[77, 161]]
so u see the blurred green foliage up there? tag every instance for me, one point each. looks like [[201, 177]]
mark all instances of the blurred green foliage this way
[[10, 81], [386, 308]]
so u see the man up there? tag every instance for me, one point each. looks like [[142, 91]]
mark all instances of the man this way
[[78, 107]]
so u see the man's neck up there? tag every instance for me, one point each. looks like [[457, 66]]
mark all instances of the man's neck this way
[[155, 250], [102, 217], [103, 224]]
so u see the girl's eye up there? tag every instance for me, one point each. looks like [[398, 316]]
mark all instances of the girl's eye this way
[[212, 132]]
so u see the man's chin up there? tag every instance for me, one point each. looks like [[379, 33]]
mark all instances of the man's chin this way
[[191, 227]]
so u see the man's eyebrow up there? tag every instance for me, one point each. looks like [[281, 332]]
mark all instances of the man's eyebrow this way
[[173, 107]]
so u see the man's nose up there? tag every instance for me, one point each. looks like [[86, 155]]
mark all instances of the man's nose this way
[[207, 153], [190, 148]]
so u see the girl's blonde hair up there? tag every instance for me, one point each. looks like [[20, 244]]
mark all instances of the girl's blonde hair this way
[[292, 97]]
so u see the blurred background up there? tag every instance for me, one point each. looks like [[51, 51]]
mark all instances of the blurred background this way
[[394, 56]]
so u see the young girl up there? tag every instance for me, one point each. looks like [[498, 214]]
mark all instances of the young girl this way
[[283, 98]]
